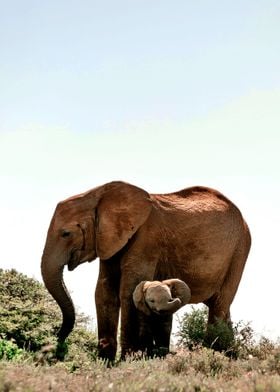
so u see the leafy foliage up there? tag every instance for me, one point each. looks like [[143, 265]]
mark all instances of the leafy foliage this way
[[9, 350], [236, 340], [30, 318], [28, 315], [220, 336], [192, 329]]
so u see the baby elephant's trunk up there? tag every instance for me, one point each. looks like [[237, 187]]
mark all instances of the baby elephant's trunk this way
[[171, 306]]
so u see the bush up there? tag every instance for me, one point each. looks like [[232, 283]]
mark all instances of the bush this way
[[192, 328], [30, 318], [236, 340], [220, 336], [9, 350], [28, 315]]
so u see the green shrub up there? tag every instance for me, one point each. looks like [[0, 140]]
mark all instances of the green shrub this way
[[237, 340], [30, 318], [220, 337], [9, 350], [192, 328], [28, 315]]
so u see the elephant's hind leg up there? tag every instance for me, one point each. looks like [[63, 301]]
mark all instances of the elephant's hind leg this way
[[219, 304]]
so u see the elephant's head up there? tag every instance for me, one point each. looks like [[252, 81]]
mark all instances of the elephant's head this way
[[95, 224], [164, 297]]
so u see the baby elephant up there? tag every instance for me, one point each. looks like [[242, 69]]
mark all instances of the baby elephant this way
[[156, 302], [164, 297]]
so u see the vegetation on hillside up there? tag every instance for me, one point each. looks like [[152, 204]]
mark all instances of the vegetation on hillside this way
[[238, 342], [29, 319]]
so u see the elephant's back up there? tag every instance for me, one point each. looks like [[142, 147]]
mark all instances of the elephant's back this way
[[202, 213], [195, 199]]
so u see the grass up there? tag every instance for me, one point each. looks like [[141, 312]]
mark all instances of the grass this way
[[199, 370], [29, 319]]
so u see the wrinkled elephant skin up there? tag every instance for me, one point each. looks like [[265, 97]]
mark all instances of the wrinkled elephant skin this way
[[196, 235]]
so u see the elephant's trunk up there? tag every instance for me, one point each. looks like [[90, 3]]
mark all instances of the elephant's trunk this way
[[171, 306], [53, 279], [179, 290]]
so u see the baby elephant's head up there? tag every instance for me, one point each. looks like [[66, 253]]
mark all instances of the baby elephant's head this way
[[161, 297]]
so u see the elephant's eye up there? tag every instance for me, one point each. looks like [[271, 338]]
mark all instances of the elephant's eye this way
[[66, 233]]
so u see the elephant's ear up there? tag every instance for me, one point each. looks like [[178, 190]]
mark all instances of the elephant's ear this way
[[121, 211], [179, 289], [139, 298]]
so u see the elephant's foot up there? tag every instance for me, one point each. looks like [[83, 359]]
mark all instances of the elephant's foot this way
[[61, 350], [107, 349], [146, 353], [131, 353], [160, 352]]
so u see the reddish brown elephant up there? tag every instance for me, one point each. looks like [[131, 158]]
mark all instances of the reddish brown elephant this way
[[196, 235]]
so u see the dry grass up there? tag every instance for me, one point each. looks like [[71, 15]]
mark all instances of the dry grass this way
[[199, 370], [28, 363]]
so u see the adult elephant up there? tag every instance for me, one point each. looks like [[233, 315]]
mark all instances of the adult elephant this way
[[196, 235]]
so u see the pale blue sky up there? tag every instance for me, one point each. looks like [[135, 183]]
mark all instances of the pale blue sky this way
[[158, 93], [84, 64]]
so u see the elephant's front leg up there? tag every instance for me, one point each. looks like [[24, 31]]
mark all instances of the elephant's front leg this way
[[107, 309], [130, 322], [129, 328], [146, 337], [161, 326]]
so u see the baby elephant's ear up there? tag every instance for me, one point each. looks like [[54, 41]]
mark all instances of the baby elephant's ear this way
[[139, 298], [179, 289]]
